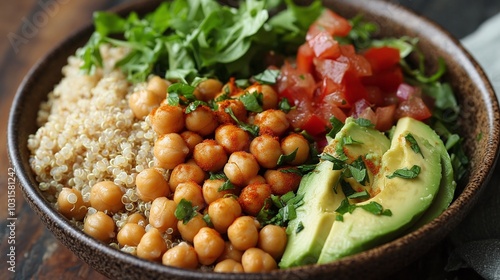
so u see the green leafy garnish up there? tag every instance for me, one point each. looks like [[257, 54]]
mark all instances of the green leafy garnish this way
[[357, 170], [413, 144], [337, 163], [364, 122], [252, 129], [180, 93], [284, 105], [299, 169], [252, 101], [406, 173], [373, 207], [336, 126], [185, 211], [279, 210], [300, 227], [269, 76], [283, 159]]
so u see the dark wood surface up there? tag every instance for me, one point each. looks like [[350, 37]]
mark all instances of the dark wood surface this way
[[30, 28]]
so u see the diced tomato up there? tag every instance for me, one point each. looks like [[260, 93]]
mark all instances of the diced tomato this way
[[324, 46], [387, 80], [327, 109], [413, 107], [382, 58], [330, 22], [305, 58], [354, 89], [385, 117], [315, 125], [331, 69], [331, 93], [356, 62], [375, 96], [294, 84]]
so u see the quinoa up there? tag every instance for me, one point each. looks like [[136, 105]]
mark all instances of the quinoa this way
[[87, 134]]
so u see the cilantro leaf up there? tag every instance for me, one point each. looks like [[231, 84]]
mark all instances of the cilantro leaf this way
[[406, 173], [185, 211], [413, 144], [252, 129], [252, 101]]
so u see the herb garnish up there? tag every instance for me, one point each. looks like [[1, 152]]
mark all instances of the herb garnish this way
[[252, 129], [406, 173], [413, 144], [279, 210], [373, 207], [252, 101], [283, 159], [185, 211]]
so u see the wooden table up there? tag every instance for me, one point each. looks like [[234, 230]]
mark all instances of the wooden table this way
[[29, 29]]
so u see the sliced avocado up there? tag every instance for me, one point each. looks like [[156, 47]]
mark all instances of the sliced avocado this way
[[322, 195], [406, 198], [446, 187]]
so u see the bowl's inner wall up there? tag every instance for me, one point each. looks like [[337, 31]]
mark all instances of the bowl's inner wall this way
[[477, 115]]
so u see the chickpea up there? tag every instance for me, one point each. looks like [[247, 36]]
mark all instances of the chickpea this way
[[170, 150], [230, 253], [223, 212], [190, 229], [256, 260], [241, 167], [151, 184], [192, 139], [106, 196], [297, 142], [207, 89], [186, 172], [190, 191], [162, 214], [130, 234], [253, 197], [158, 86], [270, 97], [211, 190], [167, 119], [182, 256], [257, 180], [71, 204], [137, 218], [228, 265], [232, 138], [210, 156], [142, 102], [273, 122], [282, 182], [208, 244], [272, 239], [202, 121], [236, 106], [100, 226], [152, 245], [266, 149], [243, 233]]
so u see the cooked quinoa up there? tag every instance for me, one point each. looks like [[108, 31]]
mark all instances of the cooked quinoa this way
[[89, 134]]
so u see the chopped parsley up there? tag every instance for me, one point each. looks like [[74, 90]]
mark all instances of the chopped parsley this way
[[252, 129], [185, 211], [413, 144], [406, 173], [252, 101]]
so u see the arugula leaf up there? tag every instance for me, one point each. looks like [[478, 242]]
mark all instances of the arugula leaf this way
[[185, 211], [406, 173]]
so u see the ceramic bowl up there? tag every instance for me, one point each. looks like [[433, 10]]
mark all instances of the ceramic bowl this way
[[479, 116]]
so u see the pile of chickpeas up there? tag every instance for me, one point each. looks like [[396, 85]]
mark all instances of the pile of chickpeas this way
[[188, 149]]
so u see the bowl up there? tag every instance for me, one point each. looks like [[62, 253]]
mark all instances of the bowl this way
[[479, 116]]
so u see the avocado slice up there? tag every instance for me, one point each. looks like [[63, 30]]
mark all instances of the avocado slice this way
[[406, 198], [322, 195]]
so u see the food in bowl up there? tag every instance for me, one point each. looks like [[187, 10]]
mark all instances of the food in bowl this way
[[176, 153]]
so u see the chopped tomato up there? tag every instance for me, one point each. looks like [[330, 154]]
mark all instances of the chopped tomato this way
[[332, 93], [387, 80], [385, 117], [413, 107], [295, 85], [354, 89], [356, 62], [404, 92], [305, 57], [330, 22], [331, 69], [382, 58], [315, 125], [324, 46]]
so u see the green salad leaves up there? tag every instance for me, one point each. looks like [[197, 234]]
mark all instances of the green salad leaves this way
[[184, 39]]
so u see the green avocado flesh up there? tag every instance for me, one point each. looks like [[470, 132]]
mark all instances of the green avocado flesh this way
[[326, 235], [322, 195]]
